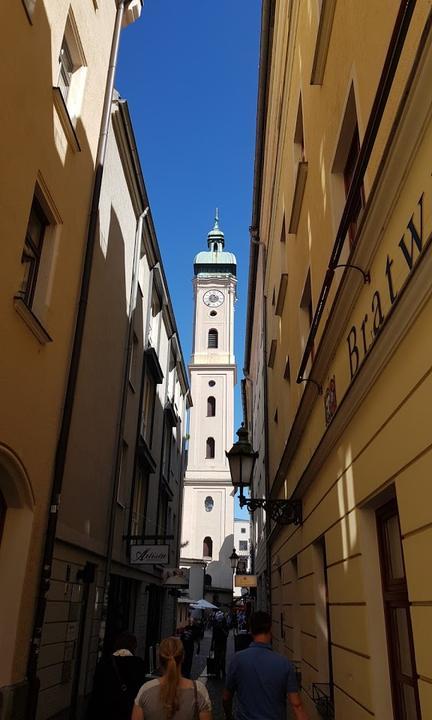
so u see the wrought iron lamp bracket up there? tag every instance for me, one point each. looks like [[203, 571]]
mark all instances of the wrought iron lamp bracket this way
[[284, 512]]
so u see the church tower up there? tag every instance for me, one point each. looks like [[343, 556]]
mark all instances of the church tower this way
[[208, 505]]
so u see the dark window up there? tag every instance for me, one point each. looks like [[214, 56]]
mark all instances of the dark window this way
[[208, 503], [3, 509], [212, 383], [243, 545], [213, 313], [400, 644], [348, 173], [243, 530], [210, 448], [149, 397], [208, 547], [32, 252], [211, 406], [163, 513], [299, 148], [306, 309], [139, 501], [213, 338]]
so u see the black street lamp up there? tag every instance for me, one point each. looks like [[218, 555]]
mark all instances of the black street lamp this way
[[241, 459], [233, 560]]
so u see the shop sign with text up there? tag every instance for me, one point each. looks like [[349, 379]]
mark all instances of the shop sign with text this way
[[149, 554], [245, 581], [407, 249]]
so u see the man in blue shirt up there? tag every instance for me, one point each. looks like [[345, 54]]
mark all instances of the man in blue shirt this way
[[263, 681]]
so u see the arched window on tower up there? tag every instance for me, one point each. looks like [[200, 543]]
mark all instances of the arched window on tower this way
[[210, 448], [213, 338], [211, 406], [207, 547], [215, 247]]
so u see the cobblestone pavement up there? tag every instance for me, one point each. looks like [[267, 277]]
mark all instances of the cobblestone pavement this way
[[199, 672]]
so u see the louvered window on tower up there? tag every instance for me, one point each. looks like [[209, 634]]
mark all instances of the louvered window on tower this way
[[210, 448], [213, 338], [208, 547]]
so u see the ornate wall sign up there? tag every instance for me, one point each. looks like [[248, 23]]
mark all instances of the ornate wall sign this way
[[330, 401]]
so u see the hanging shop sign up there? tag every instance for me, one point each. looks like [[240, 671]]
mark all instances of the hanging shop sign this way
[[245, 581], [149, 554]]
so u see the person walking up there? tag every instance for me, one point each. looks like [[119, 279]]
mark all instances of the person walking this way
[[172, 697], [219, 643], [263, 681], [116, 681], [190, 635]]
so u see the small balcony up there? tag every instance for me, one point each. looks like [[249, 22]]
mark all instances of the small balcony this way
[[170, 411]]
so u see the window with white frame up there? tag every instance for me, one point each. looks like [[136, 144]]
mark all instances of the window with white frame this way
[[66, 69], [72, 68]]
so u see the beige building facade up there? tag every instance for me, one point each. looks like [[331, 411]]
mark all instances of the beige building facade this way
[[125, 463], [342, 228], [54, 77]]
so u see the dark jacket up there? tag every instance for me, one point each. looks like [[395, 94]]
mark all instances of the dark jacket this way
[[116, 683]]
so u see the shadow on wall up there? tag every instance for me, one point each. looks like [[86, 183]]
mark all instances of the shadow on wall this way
[[64, 177], [220, 570]]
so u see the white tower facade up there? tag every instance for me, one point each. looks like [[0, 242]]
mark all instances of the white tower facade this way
[[208, 506]]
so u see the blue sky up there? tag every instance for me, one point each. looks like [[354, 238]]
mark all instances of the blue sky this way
[[189, 73]]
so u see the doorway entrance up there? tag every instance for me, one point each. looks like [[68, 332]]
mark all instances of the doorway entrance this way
[[403, 674]]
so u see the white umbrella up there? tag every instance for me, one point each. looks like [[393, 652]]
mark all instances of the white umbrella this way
[[203, 605]]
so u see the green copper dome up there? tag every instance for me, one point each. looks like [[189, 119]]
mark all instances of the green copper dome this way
[[215, 260]]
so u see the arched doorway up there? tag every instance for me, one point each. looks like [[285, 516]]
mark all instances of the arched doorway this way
[[16, 521]]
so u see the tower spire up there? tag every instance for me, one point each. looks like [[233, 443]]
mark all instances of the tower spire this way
[[215, 238]]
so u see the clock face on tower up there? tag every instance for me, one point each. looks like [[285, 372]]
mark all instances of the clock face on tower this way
[[213, 298]]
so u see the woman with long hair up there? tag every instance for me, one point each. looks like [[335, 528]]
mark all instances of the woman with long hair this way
[[172, 697]]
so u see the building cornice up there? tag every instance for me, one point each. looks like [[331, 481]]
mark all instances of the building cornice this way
[[267, 27]]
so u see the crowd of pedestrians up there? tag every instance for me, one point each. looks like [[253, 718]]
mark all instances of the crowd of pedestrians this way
[[260, 684]]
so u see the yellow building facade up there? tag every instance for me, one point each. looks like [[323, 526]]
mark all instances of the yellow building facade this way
[[54, 79], [342, 228]]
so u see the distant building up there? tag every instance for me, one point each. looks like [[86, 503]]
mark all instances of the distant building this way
[[338, 347], [208, 508], [242, 544]]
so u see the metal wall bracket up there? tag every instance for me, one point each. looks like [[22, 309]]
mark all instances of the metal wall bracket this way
[[284, 512], [311, 380], [365, 273]]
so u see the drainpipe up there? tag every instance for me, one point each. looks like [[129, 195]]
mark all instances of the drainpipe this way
[[62, 445]]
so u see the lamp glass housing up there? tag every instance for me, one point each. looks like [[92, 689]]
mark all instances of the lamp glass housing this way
[[234, 559], [241, 460]]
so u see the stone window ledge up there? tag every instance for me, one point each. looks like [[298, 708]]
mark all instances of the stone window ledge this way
[[31, 321], [65, 119]]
